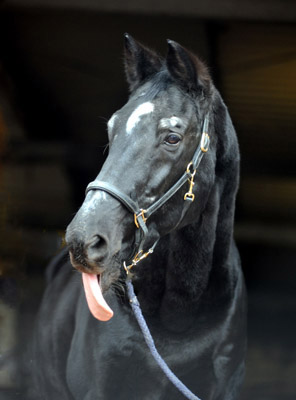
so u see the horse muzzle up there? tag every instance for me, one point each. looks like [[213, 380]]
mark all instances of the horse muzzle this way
[[96, 255], [89, 256]]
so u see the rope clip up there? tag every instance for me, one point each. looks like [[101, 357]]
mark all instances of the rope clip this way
[[137, 258]]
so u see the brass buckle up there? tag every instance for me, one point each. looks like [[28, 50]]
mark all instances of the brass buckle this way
[[140, 214], [205, 138], [190, 195]]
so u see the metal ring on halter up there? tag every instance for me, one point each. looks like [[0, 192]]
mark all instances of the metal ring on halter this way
[[140, 214], [190, 174], [205, 140]]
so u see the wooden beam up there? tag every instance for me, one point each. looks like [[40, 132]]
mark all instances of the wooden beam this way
[[264, 10]]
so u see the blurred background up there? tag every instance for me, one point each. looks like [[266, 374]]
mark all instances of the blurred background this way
[[61, 78]]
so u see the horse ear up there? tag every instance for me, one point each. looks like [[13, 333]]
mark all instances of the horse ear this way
[[140, 62], [186, 69]]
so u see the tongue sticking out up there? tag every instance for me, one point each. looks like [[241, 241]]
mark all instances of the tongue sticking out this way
[[95, 300]]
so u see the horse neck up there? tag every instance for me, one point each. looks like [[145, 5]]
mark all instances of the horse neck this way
[[194, 261], [179, 272]]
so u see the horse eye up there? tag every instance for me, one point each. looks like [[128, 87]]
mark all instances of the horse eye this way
[[172, 139]]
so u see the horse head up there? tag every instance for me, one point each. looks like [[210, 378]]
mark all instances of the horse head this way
[[152, 140]]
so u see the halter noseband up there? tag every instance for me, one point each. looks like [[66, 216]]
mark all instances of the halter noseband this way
[[141, 215]]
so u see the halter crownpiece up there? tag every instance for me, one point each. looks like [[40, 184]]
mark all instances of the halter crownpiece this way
[[141, 215]]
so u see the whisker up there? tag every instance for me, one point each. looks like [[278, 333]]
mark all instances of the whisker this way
[[106, 146], [119, 288]]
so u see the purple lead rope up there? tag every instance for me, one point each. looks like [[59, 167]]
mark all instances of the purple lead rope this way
[[150, 342]]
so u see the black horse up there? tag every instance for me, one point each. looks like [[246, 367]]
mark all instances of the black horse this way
[[173, 156]]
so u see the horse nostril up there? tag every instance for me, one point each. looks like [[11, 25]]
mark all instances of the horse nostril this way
[[96, 249], [76, 249]]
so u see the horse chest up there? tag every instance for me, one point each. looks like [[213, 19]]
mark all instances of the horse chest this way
[[106, 359], [111, 360]]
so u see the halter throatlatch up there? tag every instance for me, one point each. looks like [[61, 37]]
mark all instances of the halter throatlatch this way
[[141, 215]]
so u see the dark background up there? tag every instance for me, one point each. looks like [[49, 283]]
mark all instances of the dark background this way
[[61, 78]]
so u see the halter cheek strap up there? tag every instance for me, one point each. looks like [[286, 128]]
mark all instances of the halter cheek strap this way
[[141, 215]]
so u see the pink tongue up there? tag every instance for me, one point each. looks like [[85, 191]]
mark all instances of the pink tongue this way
[[95, 300]]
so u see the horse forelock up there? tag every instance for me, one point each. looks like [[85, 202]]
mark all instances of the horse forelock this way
[[161, 83], [158, 83]]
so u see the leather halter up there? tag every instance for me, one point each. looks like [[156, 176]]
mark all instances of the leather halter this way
[[141, 215]]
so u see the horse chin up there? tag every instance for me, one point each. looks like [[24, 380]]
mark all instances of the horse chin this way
[[109, 278]]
